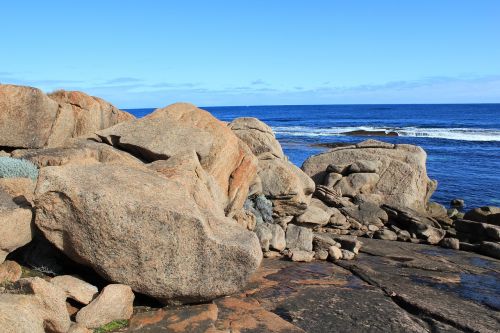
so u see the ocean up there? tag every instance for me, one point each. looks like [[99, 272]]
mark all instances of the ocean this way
[[462, 141]]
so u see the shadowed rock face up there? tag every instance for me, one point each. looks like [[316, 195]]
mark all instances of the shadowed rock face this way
[[31, 119], [288, 187], [146, 230], [183, 127], [396, 174]]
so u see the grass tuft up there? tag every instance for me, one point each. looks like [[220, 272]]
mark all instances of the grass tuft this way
[[110, 327]]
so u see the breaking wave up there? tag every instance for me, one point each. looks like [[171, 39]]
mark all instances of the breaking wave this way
[[464, 134]]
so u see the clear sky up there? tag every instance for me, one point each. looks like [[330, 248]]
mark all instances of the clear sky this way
[[152, 53]]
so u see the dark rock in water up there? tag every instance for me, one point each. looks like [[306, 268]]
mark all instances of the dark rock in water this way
[[371, 133], [457, 203], [331, 144]]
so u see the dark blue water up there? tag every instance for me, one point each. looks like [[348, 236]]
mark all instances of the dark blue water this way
[[462, 141]]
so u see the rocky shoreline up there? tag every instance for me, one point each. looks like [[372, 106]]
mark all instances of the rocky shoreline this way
[[178, 222]]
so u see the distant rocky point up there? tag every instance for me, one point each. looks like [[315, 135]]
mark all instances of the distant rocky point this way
[[370, 133]]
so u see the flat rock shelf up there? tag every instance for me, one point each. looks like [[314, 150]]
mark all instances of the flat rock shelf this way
[[391, 287]]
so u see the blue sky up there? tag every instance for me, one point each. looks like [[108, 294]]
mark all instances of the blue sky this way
[[153, 53]]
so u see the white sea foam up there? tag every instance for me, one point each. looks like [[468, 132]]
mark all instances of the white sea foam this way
[[464, 134]]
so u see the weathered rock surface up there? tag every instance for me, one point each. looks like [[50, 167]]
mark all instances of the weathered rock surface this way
[[113, 303], [10, 271], [75, 288], [400, 178], [36, 306], [15, 224], [477, 231], [76, 151], [425, 228], [137, 227], [394, 287], [314, 216], [299, 238], [287, 186], [258, 136], [183, 127], [31, 119]]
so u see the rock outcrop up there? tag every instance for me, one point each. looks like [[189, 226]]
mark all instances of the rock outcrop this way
[[139, 228], [31, 119], [283, 183], [183, 127], [384, 173]]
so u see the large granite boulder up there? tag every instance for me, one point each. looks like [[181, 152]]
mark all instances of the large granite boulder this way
[[152, 230], [184, 127], [31, 119], [382, 172], [288, 187]]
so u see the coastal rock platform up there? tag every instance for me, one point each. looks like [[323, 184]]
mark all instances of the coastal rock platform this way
[[391, 287]]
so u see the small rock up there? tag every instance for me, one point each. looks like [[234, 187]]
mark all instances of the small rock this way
[[302, 256], [313, 215], [450, 243], [372, 227], [323, 242], [278, 241], [335, 253], [452, 213], [331, 179], [321, 254], [436, 210], [113, 303], [385, 234], [347, 255], [75, 288], [333, 168], [272, 255], [10, 271], [338, 220], [403, 236], [264, 234], [364, 166], [457, 203], [51, 303], [299, 238], [350, 243]]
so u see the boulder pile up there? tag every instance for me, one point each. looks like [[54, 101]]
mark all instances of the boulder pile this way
[[177, 206], [180, 207], [380, 190]]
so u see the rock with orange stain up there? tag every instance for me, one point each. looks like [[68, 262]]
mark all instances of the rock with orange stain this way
[[247, 315], [31, 119], [195, 319]]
